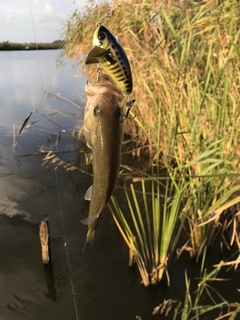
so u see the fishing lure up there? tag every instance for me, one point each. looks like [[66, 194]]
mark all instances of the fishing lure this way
[[108, 52]]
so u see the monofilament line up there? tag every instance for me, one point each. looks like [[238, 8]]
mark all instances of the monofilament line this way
[[74, 295], [36, 45]]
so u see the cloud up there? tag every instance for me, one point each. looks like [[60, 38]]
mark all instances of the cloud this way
[[47, 9], [8, 17]]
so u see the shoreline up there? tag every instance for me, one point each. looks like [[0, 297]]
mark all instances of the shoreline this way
[[11, 46]]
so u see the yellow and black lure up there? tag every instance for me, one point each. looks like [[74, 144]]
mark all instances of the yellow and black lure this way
[[108, 52]]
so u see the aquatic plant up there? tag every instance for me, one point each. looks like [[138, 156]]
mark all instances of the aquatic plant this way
[[209, 193], [151, 227], [204, 301]]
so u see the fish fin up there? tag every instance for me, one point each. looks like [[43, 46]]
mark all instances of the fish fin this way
[[88, 194], [116, 37], [89, 239], [89, 220], [96, 54]]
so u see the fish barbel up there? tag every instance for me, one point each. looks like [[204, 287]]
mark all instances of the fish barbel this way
[[103, 132], [108, 52]]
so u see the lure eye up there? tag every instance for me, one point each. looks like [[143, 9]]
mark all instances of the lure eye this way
[[102, 36]]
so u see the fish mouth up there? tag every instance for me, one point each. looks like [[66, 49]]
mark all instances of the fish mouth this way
[[95, 89], [105, 85]]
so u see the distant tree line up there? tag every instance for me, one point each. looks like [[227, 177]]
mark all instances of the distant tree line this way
[[6, 45]]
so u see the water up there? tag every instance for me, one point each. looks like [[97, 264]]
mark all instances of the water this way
[[28, 191]]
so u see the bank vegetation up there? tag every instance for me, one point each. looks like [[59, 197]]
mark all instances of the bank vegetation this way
[[185, 58]]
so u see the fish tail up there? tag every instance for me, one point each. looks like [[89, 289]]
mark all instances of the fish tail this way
[[89, 239]]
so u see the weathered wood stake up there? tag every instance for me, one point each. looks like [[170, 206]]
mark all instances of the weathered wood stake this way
[[44, 237]]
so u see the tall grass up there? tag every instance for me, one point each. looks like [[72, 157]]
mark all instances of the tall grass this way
[[183, 59], [152, 230], [185, 62]]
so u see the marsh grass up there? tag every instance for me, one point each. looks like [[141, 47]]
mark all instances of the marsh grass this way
[[183, 61], [185, 64], [210, 192], [205, 302], [186, 78], [151, 227]]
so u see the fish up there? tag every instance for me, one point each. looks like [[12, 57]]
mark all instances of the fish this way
[[104, 134], [108, 52]]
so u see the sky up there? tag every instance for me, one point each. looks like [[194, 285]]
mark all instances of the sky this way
[[49, 17]]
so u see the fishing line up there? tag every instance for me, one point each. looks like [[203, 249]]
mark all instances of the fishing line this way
[[36, 46], [65, 243]]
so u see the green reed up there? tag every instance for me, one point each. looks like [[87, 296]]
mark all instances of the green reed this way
[[151, 227], [186, 78]]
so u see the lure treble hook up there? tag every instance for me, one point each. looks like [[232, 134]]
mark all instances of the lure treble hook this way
[[128, 104]]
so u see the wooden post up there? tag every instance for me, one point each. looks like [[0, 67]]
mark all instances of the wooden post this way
[[44, 237]]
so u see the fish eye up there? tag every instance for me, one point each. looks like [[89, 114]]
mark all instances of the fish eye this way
[[102, 36], [96, 110]]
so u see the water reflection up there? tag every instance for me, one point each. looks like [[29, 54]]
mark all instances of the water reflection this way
[[24, 77], [50, 281]]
